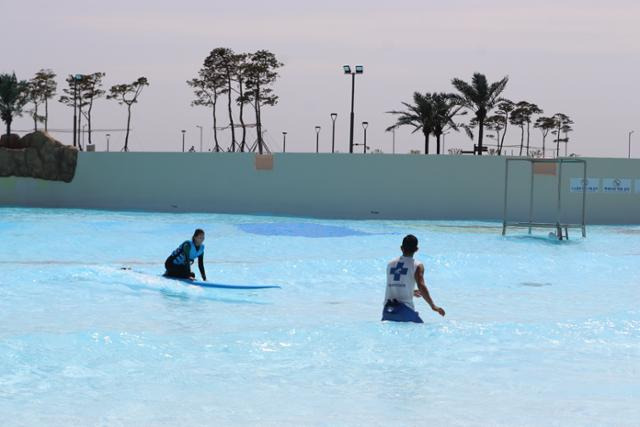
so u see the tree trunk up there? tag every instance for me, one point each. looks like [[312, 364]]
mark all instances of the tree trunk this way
[[438, 144], [233, 130], [426, 142], [544, 136], [216, 146], [256, 113], [46, 114], [521, 139], [126, 136], [244, 127], [480, 135], [558, 141], [504, 133], [528, 130], [258, 118], [80, 128], [89, 121], [9, 127], [35, 117]]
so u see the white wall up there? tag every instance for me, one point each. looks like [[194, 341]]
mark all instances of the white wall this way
[[326, 185]]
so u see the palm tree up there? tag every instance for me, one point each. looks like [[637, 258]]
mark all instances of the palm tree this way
[[419, 116], [444, 109], [13, 97], [480, 97]]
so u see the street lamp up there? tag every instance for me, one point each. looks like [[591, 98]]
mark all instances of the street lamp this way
[[365, 125], [284, 142], [334, 116], [108, 136], [183, 132], [317, 139], [359, 69], [630, 133], [200, 127]]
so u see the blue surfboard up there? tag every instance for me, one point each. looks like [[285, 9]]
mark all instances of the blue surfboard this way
[[220, 285]]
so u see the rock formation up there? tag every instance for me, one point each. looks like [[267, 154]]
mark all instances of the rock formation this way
[[37, 155]]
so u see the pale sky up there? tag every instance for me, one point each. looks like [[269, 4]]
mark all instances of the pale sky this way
[[579, 57]]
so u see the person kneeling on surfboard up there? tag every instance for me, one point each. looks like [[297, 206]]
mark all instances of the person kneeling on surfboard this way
[[179, 262], [402, 276]]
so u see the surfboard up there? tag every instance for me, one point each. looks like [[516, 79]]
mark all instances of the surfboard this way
[[219, 285]]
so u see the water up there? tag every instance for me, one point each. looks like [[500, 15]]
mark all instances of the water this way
[[537, 332]]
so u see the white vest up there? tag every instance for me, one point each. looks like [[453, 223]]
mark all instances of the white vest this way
[[401, 280]]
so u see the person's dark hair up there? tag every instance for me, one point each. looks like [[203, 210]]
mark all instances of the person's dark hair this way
[[198, 232], [410, 243]]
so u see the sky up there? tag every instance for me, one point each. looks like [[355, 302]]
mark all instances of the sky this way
[[578, 57]]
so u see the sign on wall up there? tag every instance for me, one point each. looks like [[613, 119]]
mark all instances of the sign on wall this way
[[616, 185], [593, 185]]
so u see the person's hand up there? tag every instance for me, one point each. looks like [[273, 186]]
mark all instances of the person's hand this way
[[439, 310], [416, 293]]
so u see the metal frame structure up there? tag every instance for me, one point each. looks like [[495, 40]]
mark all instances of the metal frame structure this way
[[562, 230]]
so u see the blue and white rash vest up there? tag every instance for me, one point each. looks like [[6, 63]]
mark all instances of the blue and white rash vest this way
[[178, 254]]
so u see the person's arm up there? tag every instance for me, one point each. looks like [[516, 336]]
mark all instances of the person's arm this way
[[424, 292], [201, 267]]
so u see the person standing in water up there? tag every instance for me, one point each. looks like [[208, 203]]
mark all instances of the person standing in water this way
[[178, 264], [403, 274]]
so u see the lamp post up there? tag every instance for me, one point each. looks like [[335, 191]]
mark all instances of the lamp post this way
[[284, 142], [108, 136], [359, 69], [630, 133], [183, 132], [317, 139], [334, 116], [365, 125], [200, 127]]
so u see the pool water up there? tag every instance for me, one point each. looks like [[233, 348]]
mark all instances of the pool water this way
[[537, 332]]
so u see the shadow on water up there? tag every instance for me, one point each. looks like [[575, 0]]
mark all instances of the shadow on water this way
[[542, 240], [138, 281], [186, 294], [534, 284]]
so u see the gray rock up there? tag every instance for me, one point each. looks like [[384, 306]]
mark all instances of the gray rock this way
[[37, 155]]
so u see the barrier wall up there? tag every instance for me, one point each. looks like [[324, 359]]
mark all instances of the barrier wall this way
[[334, 186]]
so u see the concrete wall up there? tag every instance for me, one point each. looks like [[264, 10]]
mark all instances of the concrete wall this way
[[325, 185]]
